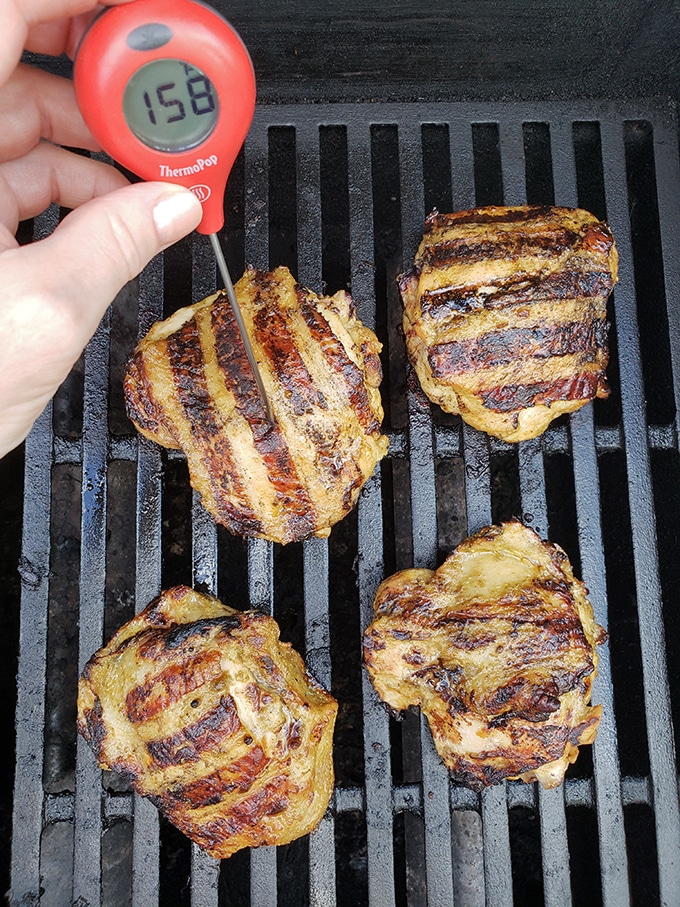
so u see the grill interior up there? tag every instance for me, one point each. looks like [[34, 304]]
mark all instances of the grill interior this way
[[339, 192]]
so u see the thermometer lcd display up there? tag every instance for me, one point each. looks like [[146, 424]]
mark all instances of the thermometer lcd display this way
[[170, 105]]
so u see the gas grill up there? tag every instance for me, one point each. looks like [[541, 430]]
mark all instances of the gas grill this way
[[339, 192]]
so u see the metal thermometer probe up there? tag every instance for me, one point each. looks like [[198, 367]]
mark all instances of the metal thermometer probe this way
[[250, 353], [168, 90]]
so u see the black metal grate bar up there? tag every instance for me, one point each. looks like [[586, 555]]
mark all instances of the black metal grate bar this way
[[494, 808], [657, 697], [204, 869], [613, 857], [34, 569], [88, 838], [263, 888], [556, 882], [378, 805], [315, 551], [436, 813], [145, 845], [426, 840]]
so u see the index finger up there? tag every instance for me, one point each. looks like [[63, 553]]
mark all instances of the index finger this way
[[43, 26]]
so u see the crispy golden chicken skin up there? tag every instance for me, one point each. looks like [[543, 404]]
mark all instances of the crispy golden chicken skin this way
[[188, 385], [497, 647], [505, 314], [208, 714]]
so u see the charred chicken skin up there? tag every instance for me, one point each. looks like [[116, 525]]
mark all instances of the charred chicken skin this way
[[505, 314], [498, 648], [189, 385], [208, 714]]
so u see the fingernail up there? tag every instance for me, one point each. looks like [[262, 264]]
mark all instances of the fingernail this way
[[177, 213]]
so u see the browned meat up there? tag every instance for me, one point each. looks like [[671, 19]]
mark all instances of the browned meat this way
[[208, 714], [505, 314], [189, 385], [498, 649]]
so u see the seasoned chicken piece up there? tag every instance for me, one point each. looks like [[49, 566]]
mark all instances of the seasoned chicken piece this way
[[505, 314], [497, 647], [214, 719], [189, 385]]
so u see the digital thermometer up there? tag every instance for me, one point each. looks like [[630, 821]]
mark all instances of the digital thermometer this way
[[167, 88]]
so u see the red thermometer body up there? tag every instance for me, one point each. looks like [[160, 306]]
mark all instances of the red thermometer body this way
[[168, 90]]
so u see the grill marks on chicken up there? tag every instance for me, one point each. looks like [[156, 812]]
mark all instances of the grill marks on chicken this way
[[209, 715], [189, 385], [505, 314], [219, 468], [498, 648], [494, 348]]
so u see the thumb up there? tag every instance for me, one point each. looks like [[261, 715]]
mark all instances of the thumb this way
[[55, 291], [106, 242]]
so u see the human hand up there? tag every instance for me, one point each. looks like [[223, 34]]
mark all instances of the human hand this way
[[53, 293]]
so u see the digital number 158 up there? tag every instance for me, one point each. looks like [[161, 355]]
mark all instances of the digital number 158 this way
[[198, 94]]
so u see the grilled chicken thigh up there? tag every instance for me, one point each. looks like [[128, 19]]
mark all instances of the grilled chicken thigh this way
[[505, 314], [208, 714], [189, 385], [497, 647]]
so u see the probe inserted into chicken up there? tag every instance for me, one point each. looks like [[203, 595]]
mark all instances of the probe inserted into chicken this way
[[188, 385], [498, 648], [206, 712], [505, 314]]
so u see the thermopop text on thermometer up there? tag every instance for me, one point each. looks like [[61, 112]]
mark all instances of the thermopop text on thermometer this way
[[167, 88]]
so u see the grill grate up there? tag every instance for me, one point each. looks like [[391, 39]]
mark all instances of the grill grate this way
[[313, 183]]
